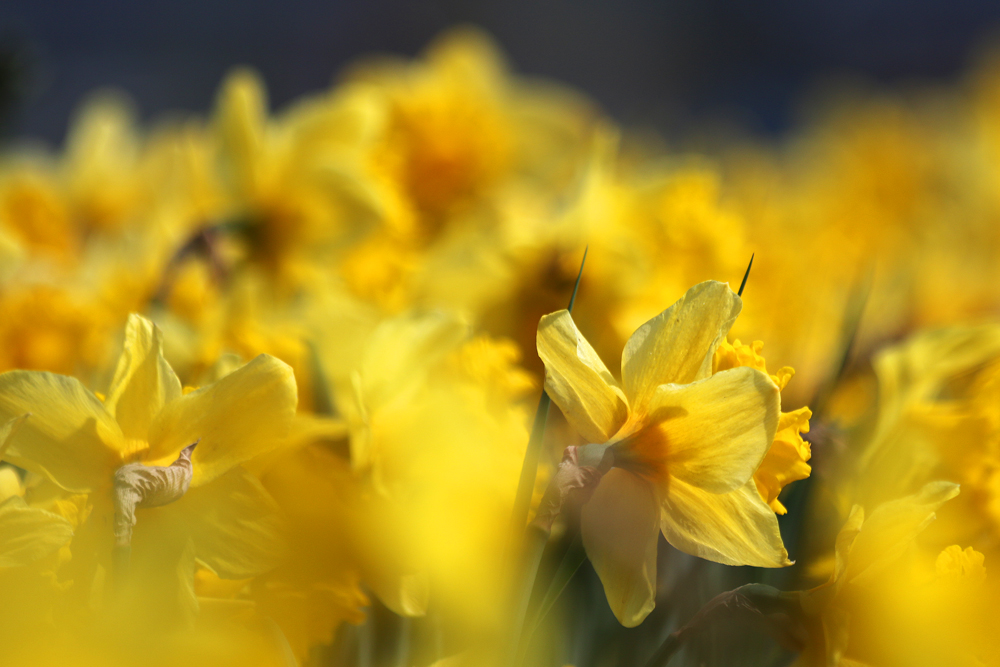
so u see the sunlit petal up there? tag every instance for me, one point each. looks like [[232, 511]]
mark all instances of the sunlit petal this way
[[578, 381], [735, 528], [143, 380], [69, 436], [245, 414], [677, 345], [718, 430]]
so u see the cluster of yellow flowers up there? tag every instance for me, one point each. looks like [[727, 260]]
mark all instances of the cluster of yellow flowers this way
[[267, 380]]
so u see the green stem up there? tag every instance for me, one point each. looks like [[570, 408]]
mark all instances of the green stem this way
[[403, 642], [667, 650], [529, 468], [535, 540], [569, 565]]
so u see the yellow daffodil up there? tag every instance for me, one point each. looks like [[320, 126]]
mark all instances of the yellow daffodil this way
[[885, 604], [87, 445], [685, 444]]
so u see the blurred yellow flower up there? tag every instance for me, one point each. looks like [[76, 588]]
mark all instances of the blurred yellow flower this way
[[83, 444]]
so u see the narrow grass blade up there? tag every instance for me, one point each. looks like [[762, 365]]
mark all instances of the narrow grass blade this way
[[569, 565], [746, 275]]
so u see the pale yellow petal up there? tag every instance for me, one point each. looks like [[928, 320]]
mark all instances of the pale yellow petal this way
[[619, 527], [402, 350], [144, 382], [891, 528], [28, 533], [8, 429], [245, 414], [68, 436], [845, 539], [677, 345], [717, 431], [735, 528], [235, 525], [578, 381]]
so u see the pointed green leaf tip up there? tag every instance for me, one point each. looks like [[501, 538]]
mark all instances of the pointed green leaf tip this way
[[579, 275], [745, 275]]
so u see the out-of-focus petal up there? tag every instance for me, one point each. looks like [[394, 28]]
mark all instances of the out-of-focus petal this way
[[578, 381], [28, 533], [402, 350], [235, 525], [717, 431], [619, 529], [735, 528], [677, 345], [245, 414], [68, 437], [891, 528], [159, 591], [144, 382]]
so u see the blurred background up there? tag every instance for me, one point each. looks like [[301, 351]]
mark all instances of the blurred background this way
[[664, 65]]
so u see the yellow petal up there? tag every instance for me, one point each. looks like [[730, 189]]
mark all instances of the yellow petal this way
[[718, 430], [578, 381], [786, 459], [619, 528], [68, 437], [402, 350], [891, 529], [677, 345], [845, 539], [28, 533], [735, 528], [8, 429], [234, 524], [143, 381], [245, 414]]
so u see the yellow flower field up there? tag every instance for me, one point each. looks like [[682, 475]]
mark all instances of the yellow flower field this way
[[435, 367]]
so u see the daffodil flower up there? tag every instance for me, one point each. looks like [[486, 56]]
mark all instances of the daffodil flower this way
[[683, 443], [868, 571], [86, 445]]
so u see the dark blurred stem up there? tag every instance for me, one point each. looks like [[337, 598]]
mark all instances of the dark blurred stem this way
[[569, 565], [666, 651], [535, 540]]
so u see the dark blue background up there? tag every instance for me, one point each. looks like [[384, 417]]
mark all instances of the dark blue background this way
[[661, 64]]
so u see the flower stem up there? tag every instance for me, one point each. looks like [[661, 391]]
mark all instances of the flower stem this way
[[535, 539], [529, 468]]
